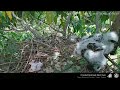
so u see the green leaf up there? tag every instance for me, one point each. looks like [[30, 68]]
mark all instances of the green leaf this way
[[1, 44], [62, 23], [78, 16], [104, 18], [9, 14], [50, 16], [76, 69], [55, 19]]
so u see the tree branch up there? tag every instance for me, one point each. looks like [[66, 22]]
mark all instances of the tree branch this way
[[53, 28], [97, 21], [66, 25], [16, 16], [115, 64]]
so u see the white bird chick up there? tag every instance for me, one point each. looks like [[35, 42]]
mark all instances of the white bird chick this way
[[96, 59], [107, 42], [85, 44], [98, 37], [85, 37], [85, 40], [110, 39], [35, 66], [110, 36]]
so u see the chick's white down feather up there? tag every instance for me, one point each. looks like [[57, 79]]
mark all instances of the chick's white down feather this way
[[102, 41], [35, 66], [97, 59], [110, 36], [83, 45], [106, 40]]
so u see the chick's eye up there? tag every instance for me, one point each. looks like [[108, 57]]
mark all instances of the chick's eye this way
[[112, 41]]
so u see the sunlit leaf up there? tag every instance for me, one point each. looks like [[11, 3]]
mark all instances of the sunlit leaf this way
[[62, 23], [9, 14], [50, 16], [81, 13], [3, 13], [104, 18], [55, 19]]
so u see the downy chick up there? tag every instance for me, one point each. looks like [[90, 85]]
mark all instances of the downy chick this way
[[96, 59]]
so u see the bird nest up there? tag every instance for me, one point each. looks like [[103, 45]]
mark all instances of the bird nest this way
[[50, 56]]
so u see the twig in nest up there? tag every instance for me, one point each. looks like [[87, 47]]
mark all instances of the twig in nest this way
[[69, 66], [66, 68], [19, 62], [9, 66], [2, 70], [43, 43], [20, 58], [111, 68], [83, 69], [29, 57], [7, 63], [113, 62]]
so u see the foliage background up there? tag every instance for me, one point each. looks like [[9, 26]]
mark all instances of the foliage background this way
[[19, 31]]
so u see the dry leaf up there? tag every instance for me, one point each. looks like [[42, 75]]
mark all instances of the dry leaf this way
[[55, 49], [42, 55]]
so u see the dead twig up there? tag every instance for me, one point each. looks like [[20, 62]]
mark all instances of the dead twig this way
[[10, 63], [21, 57], [23, 70], [74, 63], [7, 63], [115, 64], [43, 43], [111, 68]]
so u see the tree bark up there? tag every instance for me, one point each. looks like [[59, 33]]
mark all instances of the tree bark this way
[[66, 25], [116, 26], [97, 22]]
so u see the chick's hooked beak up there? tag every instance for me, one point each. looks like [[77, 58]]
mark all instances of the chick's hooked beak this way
[[93, 47]]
